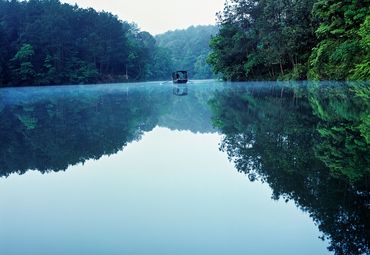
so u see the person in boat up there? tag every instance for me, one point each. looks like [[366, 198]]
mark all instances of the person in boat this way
[[180, 77]]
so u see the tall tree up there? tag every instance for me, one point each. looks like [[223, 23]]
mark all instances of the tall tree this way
[[22, 68]]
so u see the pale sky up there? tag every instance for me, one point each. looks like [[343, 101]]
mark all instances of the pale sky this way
[[158, 16]]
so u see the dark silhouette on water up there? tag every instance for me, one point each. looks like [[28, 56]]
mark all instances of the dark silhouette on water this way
[[180, 77]]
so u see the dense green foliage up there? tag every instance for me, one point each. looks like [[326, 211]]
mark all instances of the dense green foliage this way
[[47, 42], [310, 148], [343, 48], [189, 49], [263, 39], [279, 39]]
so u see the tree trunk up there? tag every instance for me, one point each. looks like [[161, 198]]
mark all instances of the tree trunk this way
[[281, 68]]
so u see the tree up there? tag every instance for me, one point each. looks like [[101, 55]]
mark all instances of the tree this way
[[23, 71], [229, 53]]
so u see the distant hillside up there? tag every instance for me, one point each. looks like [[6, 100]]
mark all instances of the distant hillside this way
[[189, 49]]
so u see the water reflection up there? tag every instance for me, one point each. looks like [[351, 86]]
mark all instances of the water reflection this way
[[309, 142], [49, 129], [180, 90], [311, 145]]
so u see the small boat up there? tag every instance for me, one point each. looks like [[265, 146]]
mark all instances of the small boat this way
[[180, 77]]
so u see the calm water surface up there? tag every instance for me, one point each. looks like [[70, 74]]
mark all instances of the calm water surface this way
[[207, 168]]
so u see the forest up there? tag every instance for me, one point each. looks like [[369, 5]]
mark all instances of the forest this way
[[293, 40], [189, 49], [45, 42]]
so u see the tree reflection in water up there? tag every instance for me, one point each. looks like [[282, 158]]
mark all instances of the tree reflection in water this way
[[51, 129], [311, 145]]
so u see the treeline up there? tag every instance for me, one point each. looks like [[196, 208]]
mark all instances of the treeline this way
[[47, 42], [293, 39], [189, 49]]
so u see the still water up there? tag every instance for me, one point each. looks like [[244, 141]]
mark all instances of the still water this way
[[204, 168]]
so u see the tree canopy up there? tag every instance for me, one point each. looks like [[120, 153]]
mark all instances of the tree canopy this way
[[47, 42], [300, 39], [189, 49]]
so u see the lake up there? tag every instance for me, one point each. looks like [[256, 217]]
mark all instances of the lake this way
[[204, 168]]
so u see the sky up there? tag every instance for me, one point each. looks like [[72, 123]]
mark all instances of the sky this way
[[158, 16]]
